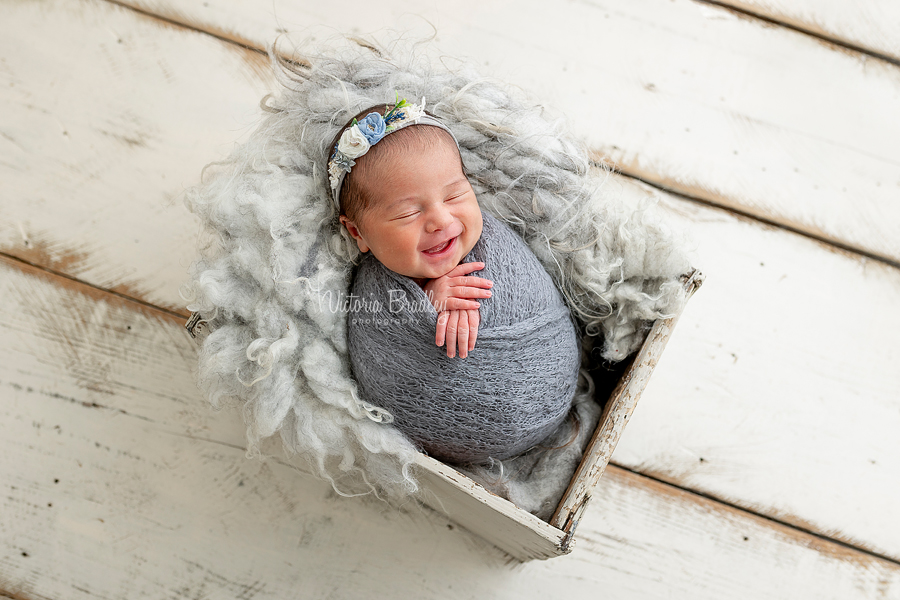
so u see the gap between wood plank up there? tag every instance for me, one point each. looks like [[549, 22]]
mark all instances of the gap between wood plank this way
[[8, 595], [97, 291], [249, 45], [743, 12], [743, 509], [219, 35], [836, 244], [170, 314]]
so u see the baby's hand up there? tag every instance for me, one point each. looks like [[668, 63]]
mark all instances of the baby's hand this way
[[452, 296], [454, 291], [460, 329]]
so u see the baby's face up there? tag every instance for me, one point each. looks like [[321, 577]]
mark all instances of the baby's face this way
[[423, 217]]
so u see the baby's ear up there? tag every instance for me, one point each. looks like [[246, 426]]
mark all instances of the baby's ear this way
[[353, 230]]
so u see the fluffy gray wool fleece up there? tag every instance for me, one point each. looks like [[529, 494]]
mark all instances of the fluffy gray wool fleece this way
[[278, 257], [513, 389]]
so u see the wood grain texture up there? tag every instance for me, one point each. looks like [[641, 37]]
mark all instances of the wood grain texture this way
[[613, 420], [119, 482], [106, 117], [782, 369], [517, 532], [872, 25], [781, 376], [728, 109], [779, 389], [498, 521]]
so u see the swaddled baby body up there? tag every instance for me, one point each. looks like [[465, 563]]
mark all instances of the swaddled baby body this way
[[511, 391], [407, 202]]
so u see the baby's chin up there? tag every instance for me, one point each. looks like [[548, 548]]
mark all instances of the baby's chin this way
[[429, 269]]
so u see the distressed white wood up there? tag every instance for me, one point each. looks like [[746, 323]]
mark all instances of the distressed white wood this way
[[870, 24], [619, 406], [119, 482], [688, 95], [514, 530], [498, 521], [105, 118], [779, 373], [779, 390], [809, 392]]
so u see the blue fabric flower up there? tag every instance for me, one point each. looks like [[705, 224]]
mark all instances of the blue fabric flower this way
[[372, 127]]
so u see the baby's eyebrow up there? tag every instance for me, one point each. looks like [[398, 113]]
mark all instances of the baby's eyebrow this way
[[460, 179], [398, 203], [395, 204]]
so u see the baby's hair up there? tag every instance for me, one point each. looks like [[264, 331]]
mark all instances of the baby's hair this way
[[354, 190]]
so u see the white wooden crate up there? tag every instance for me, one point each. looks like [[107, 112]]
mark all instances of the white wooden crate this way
[[518, 532], [499, 521]]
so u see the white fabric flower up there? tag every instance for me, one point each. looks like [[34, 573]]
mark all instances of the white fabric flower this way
[[334, 173], [353, 143], [413, 112]]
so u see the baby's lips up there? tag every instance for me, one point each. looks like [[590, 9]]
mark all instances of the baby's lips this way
[[442, 245]]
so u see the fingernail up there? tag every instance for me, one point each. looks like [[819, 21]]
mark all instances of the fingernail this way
[[489, 294]]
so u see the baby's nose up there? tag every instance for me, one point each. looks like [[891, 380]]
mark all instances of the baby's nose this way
[[439, 218]]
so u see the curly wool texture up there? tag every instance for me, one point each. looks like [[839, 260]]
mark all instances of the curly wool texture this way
[[268, 284], [512, 391], [536, 480]]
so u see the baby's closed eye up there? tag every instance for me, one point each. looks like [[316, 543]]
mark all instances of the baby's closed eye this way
[[461, 195], [406, 215]]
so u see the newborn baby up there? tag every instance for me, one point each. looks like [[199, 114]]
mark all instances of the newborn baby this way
[[398, 179]]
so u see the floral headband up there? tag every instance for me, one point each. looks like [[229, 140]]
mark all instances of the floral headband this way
[[360, 136]]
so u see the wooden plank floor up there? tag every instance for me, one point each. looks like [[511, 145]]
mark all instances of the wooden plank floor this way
[[761, 462], [689, 96], [872, 26]]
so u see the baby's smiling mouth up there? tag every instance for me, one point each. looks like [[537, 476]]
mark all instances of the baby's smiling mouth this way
[[440, 247]]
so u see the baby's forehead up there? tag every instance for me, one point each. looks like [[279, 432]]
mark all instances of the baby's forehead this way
[[415, 140], [382, 164]]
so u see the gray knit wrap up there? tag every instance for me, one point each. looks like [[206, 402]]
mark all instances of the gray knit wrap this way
[[513, 389]]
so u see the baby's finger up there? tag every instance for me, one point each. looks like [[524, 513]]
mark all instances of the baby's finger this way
[[474, 321], [464, 291], [462, 336], [441, 331], [452, 325], [465, 269], [461, 304], [471, 281]]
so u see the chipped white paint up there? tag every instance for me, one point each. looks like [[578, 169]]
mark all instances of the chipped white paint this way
[[748, 115], [619, 407], [118, 481], [496, 520]]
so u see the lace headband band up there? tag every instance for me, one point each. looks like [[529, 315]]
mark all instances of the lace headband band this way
[[360, 136]]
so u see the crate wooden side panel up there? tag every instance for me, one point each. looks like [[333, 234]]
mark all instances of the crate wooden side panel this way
[[518, 532], [500, 522], [618, 408]]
